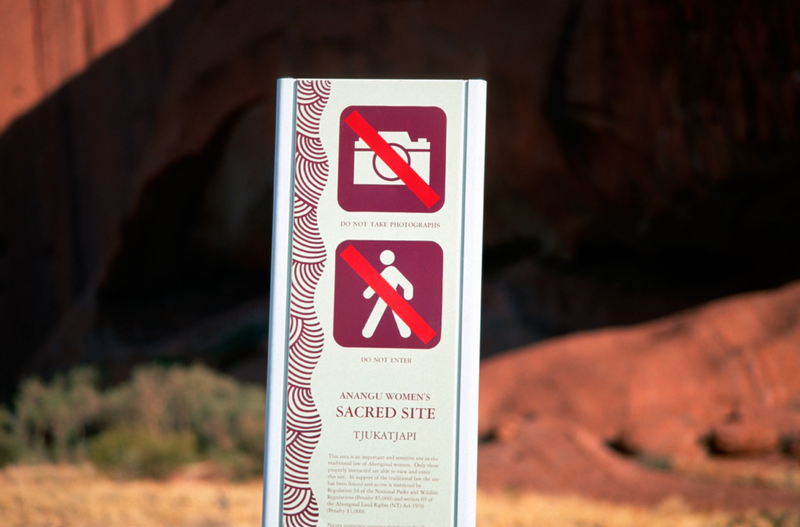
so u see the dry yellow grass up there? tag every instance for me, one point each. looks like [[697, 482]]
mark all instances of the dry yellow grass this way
[[535, 510], [66, 496]]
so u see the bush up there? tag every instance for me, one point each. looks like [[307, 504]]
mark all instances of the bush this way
[[131, 453], [238, 465], [160, 419], [52, 419], [10, 449], [223, 414]]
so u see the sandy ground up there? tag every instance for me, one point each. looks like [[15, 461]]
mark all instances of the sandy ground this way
[[66, 495]]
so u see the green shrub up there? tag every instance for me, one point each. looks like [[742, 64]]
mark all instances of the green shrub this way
[[160, 419], [223, 414], [52, 419], [10, 449], [135, 452], [661, 463], [238, 465]]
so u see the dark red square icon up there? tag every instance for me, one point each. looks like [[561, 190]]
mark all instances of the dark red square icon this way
[[387, 294], [414, 137]]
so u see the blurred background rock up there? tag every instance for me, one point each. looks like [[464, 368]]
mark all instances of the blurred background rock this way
[[642, 158], [642, 162]]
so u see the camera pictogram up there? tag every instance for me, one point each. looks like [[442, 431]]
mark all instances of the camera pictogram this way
[[392, 158], [370, 169]]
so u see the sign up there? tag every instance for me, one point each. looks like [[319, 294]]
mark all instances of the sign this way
[[374, 328], [368, 309], [377, 169]]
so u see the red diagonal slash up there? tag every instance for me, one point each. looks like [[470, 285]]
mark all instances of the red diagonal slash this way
[[388, 294], [392, 159]]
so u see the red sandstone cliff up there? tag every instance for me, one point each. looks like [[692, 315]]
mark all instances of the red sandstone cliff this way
[[642, 157], [45, 43], [699, 395]]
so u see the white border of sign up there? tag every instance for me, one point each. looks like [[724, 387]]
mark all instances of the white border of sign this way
[[472, 229]]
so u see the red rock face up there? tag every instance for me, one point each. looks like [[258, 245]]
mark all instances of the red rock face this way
[[721, 380], [734, 361], [650, 139], [134, 224], [43, 44], [743, 438]]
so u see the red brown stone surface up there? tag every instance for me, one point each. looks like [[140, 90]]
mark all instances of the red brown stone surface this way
[[43, 44], [642, 155], [743, 438], [668, 130], [555, 456], [573, 414]]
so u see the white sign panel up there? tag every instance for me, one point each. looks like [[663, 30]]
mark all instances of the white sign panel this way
[[374, 330]]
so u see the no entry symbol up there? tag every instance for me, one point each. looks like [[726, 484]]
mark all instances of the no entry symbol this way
[[388, 294]]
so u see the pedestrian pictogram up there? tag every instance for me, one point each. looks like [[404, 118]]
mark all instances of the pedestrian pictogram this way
[[388, 294], [394, 278], [392, 158]]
